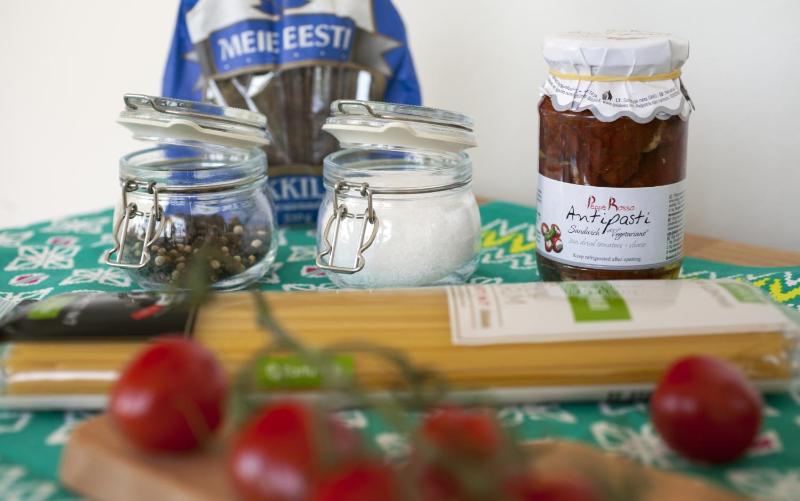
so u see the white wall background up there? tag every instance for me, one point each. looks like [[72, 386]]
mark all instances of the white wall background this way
[[65, 66]]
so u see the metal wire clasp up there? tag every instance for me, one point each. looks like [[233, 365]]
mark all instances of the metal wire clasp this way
[[325, 258], [130, 211]]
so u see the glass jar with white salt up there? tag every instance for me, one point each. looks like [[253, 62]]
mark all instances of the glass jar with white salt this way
[[398, 209]]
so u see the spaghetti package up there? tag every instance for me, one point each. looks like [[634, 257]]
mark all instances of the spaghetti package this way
[[514, 342], [290, 59]]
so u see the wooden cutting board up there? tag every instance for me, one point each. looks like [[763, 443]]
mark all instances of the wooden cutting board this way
[[98, 463]]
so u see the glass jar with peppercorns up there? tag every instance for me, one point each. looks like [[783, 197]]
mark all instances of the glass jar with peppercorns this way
[[200, 193], [613, 123]]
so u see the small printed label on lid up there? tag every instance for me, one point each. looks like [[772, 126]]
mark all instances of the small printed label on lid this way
[[608, 101]]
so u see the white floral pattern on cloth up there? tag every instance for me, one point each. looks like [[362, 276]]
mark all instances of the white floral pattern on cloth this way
[[615, 410], [106, 241], [71, 419], [272, 276], [354, 419], [767, 484], [767, 442], [63, 240], [312, 271], [395, 446], [701, 275], [516, 415], [81, 225], [300, 253], [643, 445], [16, 484], [28, 279], [14, 421], [308, 287], [485, 280], [34, 257], [14, 238], [105, 276], [8, 300]]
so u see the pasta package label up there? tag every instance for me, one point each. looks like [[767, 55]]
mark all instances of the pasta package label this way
[[582, 311], [290, 59]]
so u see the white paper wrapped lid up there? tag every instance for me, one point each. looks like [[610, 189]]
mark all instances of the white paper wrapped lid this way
[[617, 73]]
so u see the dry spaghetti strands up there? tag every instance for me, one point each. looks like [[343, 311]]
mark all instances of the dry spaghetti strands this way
[[420, 324]]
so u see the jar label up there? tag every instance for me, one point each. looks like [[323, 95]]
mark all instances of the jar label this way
[[610, 228]]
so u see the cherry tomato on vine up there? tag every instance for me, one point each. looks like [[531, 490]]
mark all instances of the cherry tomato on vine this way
[[474, 433], [360, 481], [555, 488], [170, 397], [466, 439], [278, 455], [706, 409]]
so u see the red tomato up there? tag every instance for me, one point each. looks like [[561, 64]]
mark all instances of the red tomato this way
[[170, 397], [278, 454], [471, 433], [566, 488], [706, 409], [472, 438], [362, 481]]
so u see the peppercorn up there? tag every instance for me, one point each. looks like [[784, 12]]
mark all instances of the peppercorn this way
[[226, 246]]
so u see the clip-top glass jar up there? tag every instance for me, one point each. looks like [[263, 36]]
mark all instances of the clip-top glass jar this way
[[613, 123], [200, 193], [398, 209]]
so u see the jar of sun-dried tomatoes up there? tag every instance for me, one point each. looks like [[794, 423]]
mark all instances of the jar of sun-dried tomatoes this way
[[613, 122]]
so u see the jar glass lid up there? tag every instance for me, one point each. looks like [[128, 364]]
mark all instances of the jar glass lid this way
[[355, 122], [171, 120]]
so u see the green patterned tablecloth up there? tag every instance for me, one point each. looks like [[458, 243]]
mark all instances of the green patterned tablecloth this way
[[60, 256]]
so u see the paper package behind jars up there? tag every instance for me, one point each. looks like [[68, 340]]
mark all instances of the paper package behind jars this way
[[290, 59]]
